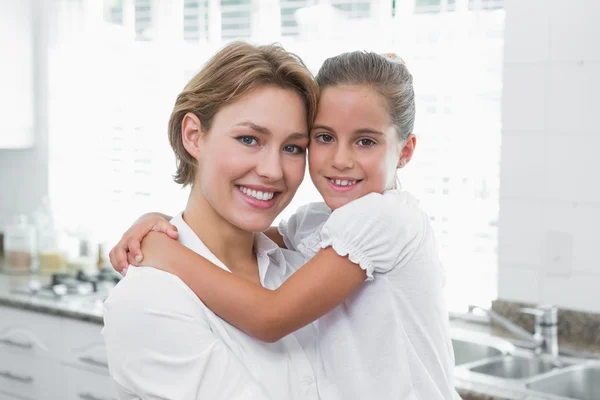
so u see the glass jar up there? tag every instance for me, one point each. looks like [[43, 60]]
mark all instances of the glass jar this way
[[83, 253], [20, 246], [51, 255]]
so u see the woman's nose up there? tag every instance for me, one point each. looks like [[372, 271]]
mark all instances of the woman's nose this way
[[269, 166]]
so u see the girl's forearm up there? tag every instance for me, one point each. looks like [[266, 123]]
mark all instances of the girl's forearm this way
[[268, 315], [236, 300]]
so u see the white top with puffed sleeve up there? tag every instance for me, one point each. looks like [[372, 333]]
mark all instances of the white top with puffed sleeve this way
[[390, 339]]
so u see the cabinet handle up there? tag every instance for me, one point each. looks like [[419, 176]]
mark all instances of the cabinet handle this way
[[14, 343], [90, 396], [14, 377], [94, 362]]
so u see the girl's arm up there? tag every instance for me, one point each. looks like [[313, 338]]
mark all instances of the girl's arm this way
[[128, 251], [268, 315]]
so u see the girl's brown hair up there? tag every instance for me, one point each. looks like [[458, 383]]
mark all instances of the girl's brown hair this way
[[389, 78]]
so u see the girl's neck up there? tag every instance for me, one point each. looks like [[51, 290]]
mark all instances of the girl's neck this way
[[230, 244]]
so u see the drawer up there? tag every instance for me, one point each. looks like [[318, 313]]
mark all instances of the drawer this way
[[85, 385], [83, 346], [29, 333], [29, 377]]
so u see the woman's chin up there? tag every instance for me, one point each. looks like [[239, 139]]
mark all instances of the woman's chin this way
[[254, 225]]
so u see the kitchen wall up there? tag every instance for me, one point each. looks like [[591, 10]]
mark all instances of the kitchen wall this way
[[550, 172], [24, 173]]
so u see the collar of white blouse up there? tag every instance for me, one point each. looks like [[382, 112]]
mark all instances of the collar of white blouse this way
[[269, 256]]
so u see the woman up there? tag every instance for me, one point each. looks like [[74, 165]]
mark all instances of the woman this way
[[161, 341]]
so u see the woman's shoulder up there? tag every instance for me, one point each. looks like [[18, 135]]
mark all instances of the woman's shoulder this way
[[138, 291]]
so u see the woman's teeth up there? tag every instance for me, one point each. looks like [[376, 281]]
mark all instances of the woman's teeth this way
[[340, 182], [257, 194]]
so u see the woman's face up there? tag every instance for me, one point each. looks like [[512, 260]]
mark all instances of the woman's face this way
[[354, 148], [253, 158]]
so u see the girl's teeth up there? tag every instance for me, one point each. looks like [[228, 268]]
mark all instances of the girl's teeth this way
[[340, 182], [257, 194]]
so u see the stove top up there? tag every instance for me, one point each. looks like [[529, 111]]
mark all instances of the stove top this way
[[73, 284]]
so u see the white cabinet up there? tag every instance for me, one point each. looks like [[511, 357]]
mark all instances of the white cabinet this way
[[83, 346], [29, 333], [29, 377], [48, 357], [84, 385], [85, 367], [16, 74]]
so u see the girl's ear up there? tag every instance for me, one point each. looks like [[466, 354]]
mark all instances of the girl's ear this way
[[407, 151]]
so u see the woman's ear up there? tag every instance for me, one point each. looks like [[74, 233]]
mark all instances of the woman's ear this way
[[191, 133], [407, 151]]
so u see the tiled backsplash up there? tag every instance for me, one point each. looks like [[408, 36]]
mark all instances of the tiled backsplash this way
[[550, 180], [577, 330]]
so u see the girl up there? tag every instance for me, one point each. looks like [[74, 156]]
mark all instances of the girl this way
[[387, 338]]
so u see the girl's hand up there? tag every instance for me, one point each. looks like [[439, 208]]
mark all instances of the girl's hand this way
[[128, 250], [158, 248]]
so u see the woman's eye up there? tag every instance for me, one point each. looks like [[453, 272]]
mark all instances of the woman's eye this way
[[366, 142], [247, 140], [324, 138], [295, 149]]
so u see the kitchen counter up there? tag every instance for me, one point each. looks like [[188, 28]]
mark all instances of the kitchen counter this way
[[13, 293]]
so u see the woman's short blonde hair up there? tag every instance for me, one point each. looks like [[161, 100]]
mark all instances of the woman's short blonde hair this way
[[228, 75]]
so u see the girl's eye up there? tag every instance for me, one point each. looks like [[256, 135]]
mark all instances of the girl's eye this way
[[366, 142], [324, 138], [294, 149], [247, 140]]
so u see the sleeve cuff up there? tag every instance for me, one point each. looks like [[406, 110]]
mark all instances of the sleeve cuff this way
[[354, 254]]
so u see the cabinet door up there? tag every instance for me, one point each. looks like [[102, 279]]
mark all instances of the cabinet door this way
[[30, 377], [29, 333], [85, 385], [83, 346]]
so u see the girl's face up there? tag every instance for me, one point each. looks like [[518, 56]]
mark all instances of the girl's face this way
[[354, 148], [253, 158]]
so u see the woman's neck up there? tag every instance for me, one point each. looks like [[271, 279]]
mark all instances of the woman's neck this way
[[230, 244]]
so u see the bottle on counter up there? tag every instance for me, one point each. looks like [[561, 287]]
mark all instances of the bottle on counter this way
[[51, 256], [20, 246], [84, 251]]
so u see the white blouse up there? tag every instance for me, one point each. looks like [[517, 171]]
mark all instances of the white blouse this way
[[390, 339], [163, 343]]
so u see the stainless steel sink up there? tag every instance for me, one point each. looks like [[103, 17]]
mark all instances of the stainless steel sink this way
[[581, 382], [466, 352], [511, 367]]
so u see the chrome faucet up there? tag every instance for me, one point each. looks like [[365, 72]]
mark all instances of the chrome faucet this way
[[545, 337]]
